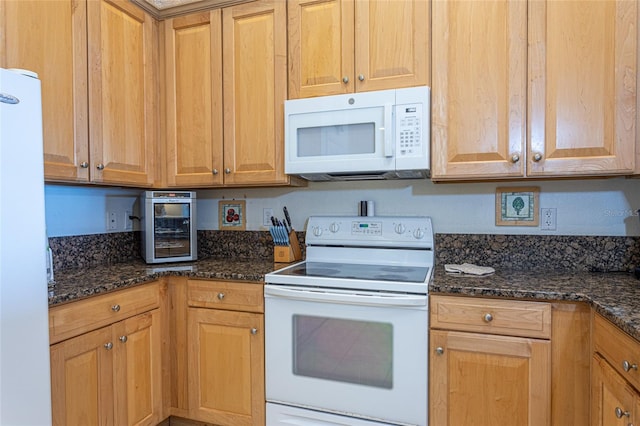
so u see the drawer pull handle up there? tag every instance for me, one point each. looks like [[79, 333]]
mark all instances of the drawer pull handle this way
[[108, 346], [254, 331], [488, 317], [123, 339], [115, 308], [439, 350], [220, 296], [627, 366], [620, 413]]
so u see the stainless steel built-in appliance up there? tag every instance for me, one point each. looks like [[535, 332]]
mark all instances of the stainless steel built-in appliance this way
[[168, 225], [369, 135], [346, 330]]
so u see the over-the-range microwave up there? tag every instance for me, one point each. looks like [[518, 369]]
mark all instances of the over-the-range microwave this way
[[370, 135]]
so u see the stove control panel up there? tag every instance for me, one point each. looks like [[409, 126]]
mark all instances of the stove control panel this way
[[377, 231]]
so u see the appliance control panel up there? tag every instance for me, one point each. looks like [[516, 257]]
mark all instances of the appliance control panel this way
[[409, 130], [374, 231]]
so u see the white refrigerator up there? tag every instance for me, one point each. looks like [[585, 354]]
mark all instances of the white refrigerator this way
[[25, 384]]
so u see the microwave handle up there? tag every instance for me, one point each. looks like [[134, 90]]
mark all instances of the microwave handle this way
[[388, 130]]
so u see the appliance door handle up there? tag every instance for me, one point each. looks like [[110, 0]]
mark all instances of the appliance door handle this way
[[373, 299], [388, 130]]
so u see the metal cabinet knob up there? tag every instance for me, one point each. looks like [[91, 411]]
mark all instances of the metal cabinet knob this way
[[123, 339], [515, 158], [84, 164], [254, 331], [227, 170], [537, 157], [488, 317], [100, 166], [621, 413], [360, 77], [108, 346], [439, 350], [215, 171], [626, 365], [115, 308], [220, 296], [345, 79]]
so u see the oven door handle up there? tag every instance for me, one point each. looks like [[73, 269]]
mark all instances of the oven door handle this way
[[382, 299]]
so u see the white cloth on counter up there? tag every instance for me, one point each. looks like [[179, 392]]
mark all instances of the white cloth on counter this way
[[469, 268]]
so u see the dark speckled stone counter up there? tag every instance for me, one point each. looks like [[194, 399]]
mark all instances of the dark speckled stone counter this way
[[75, 284], [614, 295]]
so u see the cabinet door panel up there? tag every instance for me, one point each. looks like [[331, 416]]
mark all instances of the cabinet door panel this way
[[582, 98], [122, 92], [193, 76], [227, 360], [489, 380], [138, 370], [609, 393], [82, 381], [391, 44], [321, 38], [479, 89], [255, 87], [49, 37]]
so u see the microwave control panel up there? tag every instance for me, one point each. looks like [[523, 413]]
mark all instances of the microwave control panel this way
[[409, 130]]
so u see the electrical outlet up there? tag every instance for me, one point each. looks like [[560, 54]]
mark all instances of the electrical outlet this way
[[266, 216], [112, 221], [548, 219], [128, 223]]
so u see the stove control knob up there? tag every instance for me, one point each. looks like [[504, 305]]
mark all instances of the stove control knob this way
[[418, 234], [317, 231], [400, 228], [334, 227]]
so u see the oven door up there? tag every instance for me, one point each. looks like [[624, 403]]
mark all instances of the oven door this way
[[351, 353]]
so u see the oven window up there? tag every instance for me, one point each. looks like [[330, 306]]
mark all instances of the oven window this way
[[343, 350]]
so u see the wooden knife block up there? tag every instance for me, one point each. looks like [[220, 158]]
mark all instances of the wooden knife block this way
[[290, 253]]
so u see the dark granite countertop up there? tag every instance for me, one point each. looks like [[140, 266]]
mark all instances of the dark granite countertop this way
[[614, 295]]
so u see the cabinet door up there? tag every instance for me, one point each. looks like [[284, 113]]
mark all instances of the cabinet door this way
[[193, 87], [122, 92], [226, 360], [321, 55], [391, 44], [612, 398], [255, 87], [582, 94], [82, 380], [49, 37], [479, 89], [138, 370], [481, 379]]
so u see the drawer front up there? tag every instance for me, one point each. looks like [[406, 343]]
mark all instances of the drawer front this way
[[505, 317], [73, 319], [234, 296], [621, 350]]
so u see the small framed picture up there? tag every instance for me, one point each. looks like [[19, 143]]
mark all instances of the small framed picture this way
[[231, 215], [517, 206]]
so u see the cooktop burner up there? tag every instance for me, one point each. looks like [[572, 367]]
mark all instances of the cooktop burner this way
[[359, 271]]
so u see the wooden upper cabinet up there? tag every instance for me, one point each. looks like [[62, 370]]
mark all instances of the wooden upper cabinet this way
[[342, 46], [122, 46], [582, 92], [558, 100], [479, 89], [50, 38], [193, 101], [255, 87]]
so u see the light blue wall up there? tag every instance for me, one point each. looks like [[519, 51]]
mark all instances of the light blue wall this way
[[584, 207]]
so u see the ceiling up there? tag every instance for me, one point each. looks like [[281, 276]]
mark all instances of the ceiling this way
[[168, 8]]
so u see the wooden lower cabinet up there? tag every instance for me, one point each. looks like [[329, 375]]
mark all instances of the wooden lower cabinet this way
[[482, 379], [109, 376], [614, 402]]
